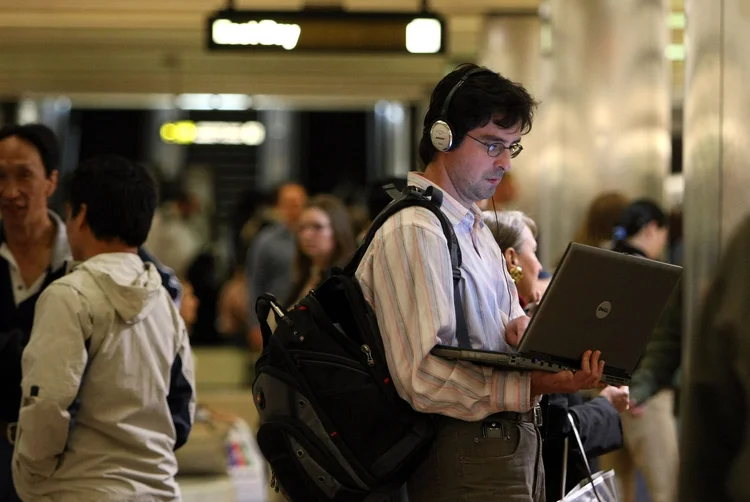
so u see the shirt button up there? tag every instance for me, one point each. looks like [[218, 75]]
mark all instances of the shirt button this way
[[20, 288]]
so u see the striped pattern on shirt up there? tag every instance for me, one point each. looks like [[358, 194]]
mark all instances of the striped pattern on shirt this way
[[406, 277]]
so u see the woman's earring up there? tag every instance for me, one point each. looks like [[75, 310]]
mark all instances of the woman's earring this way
[[516, 273]]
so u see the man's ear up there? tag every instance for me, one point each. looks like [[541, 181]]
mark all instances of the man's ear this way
[[80, 219], [651, 228], [52, 180]]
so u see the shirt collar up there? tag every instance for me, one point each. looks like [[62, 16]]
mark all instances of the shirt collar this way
[[60, 247], [453, 209]]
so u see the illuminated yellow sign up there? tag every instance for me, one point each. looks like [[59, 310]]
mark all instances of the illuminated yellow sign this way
[[187, 132]]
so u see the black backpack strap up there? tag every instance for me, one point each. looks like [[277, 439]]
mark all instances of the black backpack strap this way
[[430, 199]]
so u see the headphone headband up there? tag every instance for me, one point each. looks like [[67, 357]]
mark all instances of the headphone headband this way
[[464, 78]]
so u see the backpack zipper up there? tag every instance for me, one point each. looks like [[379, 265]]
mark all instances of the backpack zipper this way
[[368, 353]]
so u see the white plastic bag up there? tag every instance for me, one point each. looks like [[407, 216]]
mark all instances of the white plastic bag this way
[[599, 487]]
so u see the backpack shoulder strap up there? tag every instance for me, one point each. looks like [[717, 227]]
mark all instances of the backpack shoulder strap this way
[[430, 199]]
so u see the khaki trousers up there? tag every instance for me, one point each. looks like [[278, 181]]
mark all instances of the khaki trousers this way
[[650, 446]]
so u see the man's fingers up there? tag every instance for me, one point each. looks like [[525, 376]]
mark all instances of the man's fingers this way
[[586, 362], [595, 359]]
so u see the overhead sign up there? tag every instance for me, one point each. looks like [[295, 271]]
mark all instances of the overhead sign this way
[[326, 31], [187, 132]]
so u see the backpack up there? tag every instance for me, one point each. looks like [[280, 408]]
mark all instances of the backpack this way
[[332, 425]]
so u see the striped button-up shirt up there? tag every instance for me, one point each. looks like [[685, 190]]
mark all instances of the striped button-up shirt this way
[[406, 277]]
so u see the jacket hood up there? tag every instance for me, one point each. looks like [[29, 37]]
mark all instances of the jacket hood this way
[[130, 285]]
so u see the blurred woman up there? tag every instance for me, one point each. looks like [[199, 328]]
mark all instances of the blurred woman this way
[[641, 230], [650, 430], [602, 214], [597, 420], [325, 239]]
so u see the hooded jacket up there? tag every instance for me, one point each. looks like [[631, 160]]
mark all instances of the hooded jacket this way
[[107, 387]]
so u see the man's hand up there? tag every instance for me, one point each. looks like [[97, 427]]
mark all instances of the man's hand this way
[[515, 330], [567, 382], [636, 410], [618, 396]]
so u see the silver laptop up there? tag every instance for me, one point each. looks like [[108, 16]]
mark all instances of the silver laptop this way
[[598, 299]]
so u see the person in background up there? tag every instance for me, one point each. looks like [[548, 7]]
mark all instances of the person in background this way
[[271, 255], [659, 367], [33, 253], [189, 306], [642, 230], [597, 420], [172, 240], [602, 215], [252, 214], [515, 233], [107, 374], [325, 239], [650, 434], [715, 417], [232, 321]]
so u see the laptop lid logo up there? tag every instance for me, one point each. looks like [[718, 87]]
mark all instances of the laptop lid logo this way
[[603, 310]]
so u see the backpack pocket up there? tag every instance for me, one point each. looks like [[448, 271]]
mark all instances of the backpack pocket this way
[[333, 375], [295, 453]]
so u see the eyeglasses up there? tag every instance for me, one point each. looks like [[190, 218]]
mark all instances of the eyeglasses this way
[[497, 149]]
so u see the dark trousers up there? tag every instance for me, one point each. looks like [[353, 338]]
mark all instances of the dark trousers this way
[[469, 463], [7, 491]]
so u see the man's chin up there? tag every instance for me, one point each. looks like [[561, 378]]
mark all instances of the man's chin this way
[[13, 216]]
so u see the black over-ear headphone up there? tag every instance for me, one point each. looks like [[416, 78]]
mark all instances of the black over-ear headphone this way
[[441, 133]]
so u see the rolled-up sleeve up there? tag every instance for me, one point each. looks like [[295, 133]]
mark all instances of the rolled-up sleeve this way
[[407, 279]]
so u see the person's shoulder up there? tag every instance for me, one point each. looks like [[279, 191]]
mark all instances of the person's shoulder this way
[[411, 219], [271, 234], [74, 289]]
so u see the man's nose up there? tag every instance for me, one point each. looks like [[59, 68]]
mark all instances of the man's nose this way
[[502, 161]]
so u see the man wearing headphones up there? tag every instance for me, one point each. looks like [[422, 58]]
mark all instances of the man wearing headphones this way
[[488, 447]]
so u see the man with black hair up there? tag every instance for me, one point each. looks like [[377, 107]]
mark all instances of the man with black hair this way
[[33, 253], [107, 389], [488, 445]]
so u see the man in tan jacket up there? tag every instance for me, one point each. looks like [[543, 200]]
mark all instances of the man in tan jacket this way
[[108, 390]]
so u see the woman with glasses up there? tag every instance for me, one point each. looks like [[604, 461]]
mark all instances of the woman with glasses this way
[[325, 238]]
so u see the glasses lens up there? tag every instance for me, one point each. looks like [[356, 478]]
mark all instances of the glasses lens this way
[[515, 150]]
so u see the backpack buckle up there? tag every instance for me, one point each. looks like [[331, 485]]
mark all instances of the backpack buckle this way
[[456, 274]]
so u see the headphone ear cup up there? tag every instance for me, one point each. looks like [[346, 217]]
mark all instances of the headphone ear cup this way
[[441, 136]]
